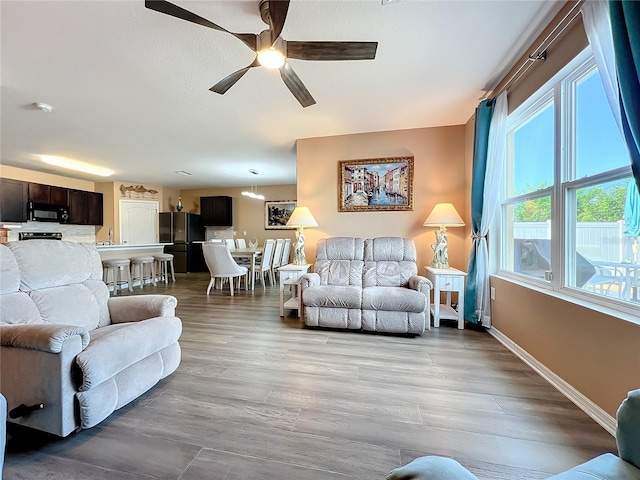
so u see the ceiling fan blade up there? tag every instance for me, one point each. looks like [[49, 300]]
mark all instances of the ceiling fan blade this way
[[295, 85], [277, 15], [229, 81], [332, 50], [168, 8]]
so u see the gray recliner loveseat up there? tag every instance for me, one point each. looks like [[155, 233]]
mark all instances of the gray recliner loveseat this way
[[65, 344], [366, 284]]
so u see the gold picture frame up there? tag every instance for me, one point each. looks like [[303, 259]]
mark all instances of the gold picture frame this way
[[375, 184]]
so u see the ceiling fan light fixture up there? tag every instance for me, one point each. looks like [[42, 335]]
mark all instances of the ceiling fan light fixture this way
[[270, 58]]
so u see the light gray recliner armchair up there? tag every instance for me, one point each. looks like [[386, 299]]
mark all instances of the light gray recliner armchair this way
[[69, 354], [604, 467]]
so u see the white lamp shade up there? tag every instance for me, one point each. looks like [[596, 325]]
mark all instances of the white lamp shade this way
[[444, 214], [301, 217]]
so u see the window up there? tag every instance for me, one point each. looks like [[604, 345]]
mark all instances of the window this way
[[567, 176]]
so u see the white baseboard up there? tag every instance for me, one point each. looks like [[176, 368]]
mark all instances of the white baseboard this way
[[605, 420]]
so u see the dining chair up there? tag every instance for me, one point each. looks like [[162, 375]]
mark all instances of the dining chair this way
[[286, 250], [222, 265], [241, 243], [277, 257], [263, 268], [230, 243], [605, 277]]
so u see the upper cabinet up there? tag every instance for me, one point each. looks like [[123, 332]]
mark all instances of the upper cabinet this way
[[39, 193], [85, 208], [216, 211], [13, 200]]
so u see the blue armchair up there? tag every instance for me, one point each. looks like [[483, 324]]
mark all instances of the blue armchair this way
[[603, 467]]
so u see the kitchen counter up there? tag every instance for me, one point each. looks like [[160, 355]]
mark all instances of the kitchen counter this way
[[127, 246], [129, 250]]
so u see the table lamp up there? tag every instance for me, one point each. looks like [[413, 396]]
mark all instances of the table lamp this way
[[300, 218], [443, 215]]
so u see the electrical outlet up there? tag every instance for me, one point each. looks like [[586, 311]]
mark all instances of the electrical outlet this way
[[493, 293], [245, 233]]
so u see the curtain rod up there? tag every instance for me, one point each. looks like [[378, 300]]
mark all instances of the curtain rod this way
[[540, 52]]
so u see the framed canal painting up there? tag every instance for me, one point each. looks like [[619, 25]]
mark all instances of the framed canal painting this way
[[375, 184], [277, 213]]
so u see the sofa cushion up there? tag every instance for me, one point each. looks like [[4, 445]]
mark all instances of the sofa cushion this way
[[46, 263], [394, 299], [389, 261], [432, 468], [339, 261], [394, 249], [115, 347], [67, 305], [9, 274], [340, 248], [388, 273], [342, 296], [18, 308], [340, 272], [604, 467]]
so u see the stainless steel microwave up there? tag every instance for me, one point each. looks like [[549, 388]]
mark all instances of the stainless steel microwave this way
[[43, 212]]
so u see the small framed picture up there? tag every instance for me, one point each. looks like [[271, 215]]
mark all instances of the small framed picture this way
[[375, 184], [277, 213]]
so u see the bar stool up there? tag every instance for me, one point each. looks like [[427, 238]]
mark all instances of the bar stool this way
[[164, 261], [115, 267], [144, 264]]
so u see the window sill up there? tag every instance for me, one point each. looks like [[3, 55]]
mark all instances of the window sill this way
[[627, 312]]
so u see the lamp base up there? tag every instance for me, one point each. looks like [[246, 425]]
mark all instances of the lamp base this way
[[299, 258], [440, 249], [435, 264]]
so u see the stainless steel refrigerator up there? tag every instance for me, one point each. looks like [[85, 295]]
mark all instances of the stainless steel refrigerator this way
[[184, 230]]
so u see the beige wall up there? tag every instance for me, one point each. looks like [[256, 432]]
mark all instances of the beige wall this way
[[248, 213], [439, 176]]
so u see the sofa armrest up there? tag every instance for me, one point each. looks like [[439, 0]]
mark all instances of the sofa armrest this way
[[47, 338], [628, 429], [141, 307], [309, 280], [432, 468], [421, 284]]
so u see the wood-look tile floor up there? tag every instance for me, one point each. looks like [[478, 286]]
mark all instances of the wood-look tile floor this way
[[258, 396]]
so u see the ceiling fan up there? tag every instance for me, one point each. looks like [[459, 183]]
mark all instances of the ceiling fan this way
[[272, 51]]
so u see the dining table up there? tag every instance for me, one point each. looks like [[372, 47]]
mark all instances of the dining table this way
[[249, 253], [627, 273]]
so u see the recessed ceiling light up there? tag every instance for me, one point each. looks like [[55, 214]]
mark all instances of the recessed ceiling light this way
[[76, 165], [43, 107], [182, 172], [254, 171]]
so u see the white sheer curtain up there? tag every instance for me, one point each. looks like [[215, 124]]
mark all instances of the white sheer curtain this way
[[493, 178], [597, 25]]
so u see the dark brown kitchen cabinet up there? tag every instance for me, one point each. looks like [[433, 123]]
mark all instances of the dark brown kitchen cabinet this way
[[13, 200], [49, 194], [216, 211], [85, 208]]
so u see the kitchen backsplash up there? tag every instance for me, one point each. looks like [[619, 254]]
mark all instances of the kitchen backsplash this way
[[72, 233]]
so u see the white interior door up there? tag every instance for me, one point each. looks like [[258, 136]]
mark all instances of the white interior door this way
[[138, 222]]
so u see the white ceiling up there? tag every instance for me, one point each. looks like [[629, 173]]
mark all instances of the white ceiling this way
[[130, 86]]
